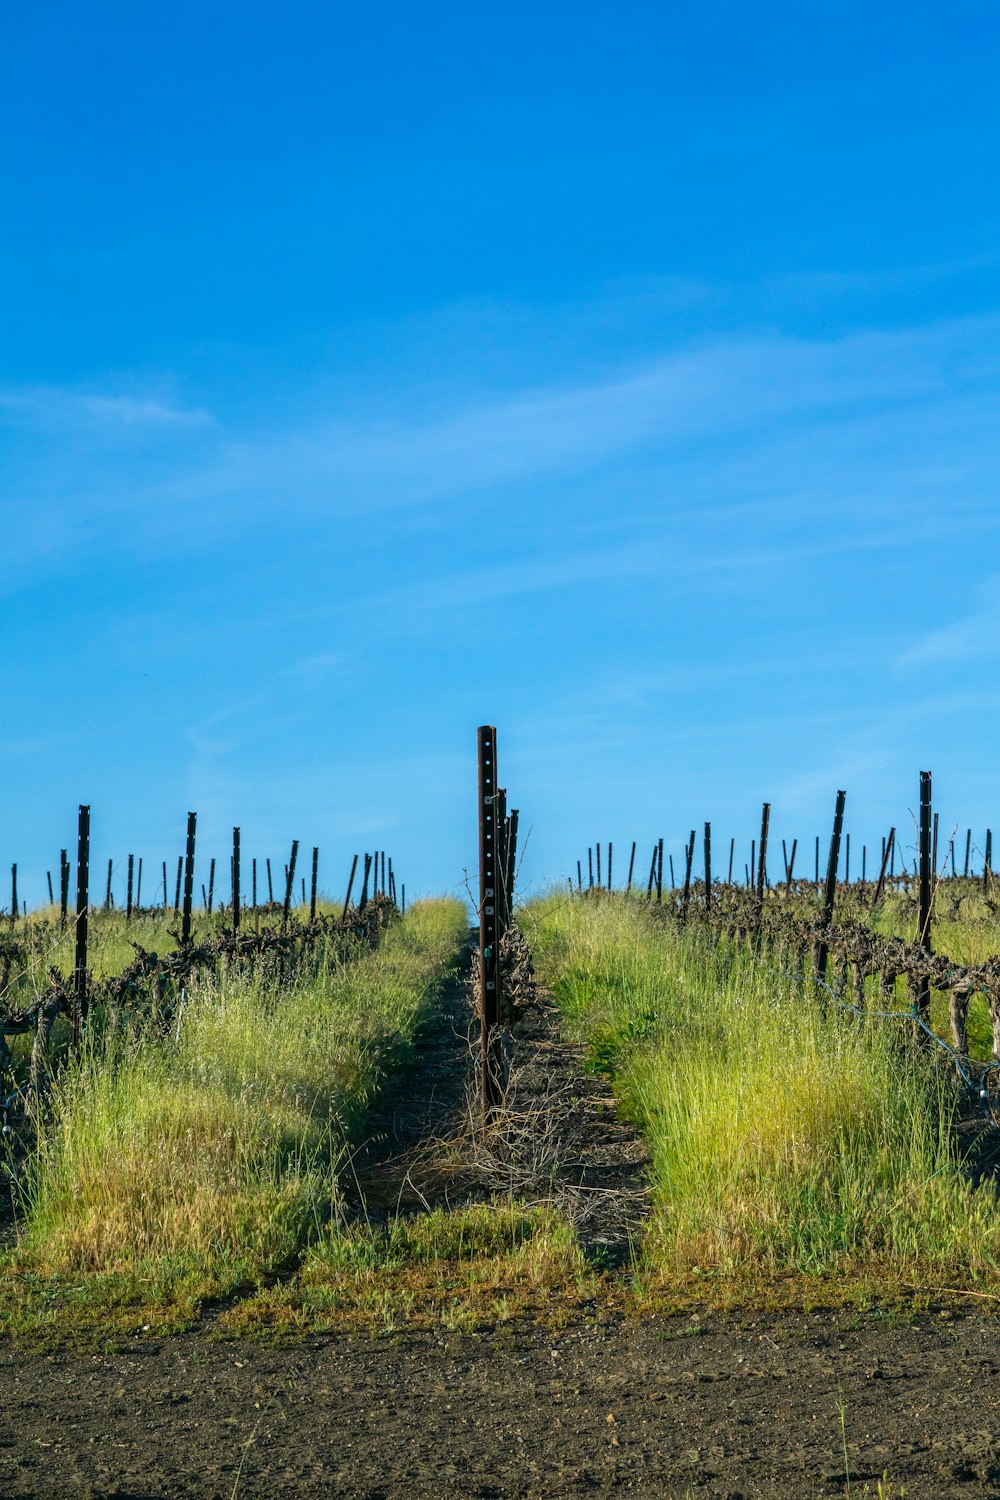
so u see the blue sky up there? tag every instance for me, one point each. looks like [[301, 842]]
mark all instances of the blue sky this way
[[657, 345]]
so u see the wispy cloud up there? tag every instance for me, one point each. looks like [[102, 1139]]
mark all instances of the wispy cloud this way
[[52, 408], [976, 634]]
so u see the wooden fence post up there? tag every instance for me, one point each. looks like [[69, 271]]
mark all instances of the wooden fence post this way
[[489, 955], [82, 906], [511, 855], [922, 998], [289, 883], [236, 880], [823, 956], [887, 847], [350, 886], [192, 825], [765, 820], [688, 857]]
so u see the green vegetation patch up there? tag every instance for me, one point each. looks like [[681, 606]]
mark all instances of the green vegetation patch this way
[[467, 1268], [181, 1167], [788, 1139]]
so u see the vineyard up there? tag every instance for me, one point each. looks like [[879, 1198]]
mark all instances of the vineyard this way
[[657, 1099]]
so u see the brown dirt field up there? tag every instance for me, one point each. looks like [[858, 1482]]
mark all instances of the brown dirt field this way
[[667, 1408]]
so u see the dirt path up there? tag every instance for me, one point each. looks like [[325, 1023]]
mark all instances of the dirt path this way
[[667, 1409]]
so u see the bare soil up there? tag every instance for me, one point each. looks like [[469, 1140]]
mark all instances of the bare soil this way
[[666, 1408]]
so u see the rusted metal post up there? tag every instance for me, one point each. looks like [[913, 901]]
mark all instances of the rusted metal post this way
[[128, 888], [192, 826], [708, 867], [489, 954], [312, 887], [500, 816], [82, 909], [631, 867], [823, 957], [289, 884], [236, 880]]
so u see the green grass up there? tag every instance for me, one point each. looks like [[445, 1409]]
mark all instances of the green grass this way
[[787, 1140], [480, 1265], [179, 1168]]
